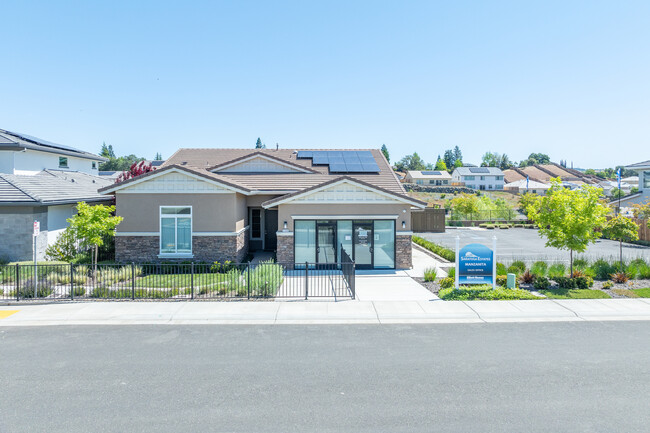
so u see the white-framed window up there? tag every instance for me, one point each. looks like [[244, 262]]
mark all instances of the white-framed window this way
[[63, 162], [256, 218], [176, 230]]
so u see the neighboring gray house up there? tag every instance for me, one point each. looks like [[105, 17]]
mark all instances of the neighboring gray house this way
[[33, 188], [481, 178], [643, 196]]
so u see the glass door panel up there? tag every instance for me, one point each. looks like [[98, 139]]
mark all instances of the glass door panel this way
[[363, 244], [326, 247]]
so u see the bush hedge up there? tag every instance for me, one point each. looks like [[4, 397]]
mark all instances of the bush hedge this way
[[443, 252]]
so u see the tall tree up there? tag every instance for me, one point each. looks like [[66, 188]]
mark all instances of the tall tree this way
[[107, 151], [448, 157], [158, 157], [92, 224], [384, 150], [569, 219], [440, 165], [458, 156], [259, 144], [412, 162]]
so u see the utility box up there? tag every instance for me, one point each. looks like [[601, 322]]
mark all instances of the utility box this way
[[511, 283]]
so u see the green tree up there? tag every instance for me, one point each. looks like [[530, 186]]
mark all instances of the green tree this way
[[107, 151], [158, 157], [440, 165], [621, 228], [465, 204], [458, 163], [384, 150], [458, 156], [569, 219], [412, 162], [535, 158], [259, 144], [92, 224], [64, 248], [617, 193], [448, 157]]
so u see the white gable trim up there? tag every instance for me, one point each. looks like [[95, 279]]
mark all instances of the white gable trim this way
[[287, 168], [219, 186], [389, 198]]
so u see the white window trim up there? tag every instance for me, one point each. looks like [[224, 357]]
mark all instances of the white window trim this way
[[182, 254], [65, 158]]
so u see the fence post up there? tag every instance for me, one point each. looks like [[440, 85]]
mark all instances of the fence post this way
[[354, 279], [306, 280], [248, 280], [192, 280], [71, 282], [132, 281], [17, 282]]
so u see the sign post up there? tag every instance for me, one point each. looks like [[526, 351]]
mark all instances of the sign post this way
[[494, 262], [457, 255], [37, 230]]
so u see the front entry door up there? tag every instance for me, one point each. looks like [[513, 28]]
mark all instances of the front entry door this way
[[325, 243], [363, 245]]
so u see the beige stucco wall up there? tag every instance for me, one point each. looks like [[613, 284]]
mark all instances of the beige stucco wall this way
[[285, 211], [210, 212], [240, 212], [257, 200]]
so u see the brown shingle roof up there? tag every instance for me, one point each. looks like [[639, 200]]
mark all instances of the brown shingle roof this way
[[204, 159]]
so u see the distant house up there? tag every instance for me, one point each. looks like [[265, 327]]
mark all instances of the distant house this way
[[481, 178], [41, 181], [544, 172], [434, 178], [643, 196], [27, 155], [522, 186]]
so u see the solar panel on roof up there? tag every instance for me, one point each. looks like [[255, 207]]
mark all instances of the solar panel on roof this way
[[431, 173], [342, 161], [304, 154], [338, 168], [354, 166], [370, 167], [479, 170]]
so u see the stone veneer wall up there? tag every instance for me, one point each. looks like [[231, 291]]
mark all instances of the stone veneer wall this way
[[204, 248], [403, 252], [285, 249]]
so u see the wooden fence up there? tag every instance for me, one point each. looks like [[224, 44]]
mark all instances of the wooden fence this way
[[644, 230], [428, 220]]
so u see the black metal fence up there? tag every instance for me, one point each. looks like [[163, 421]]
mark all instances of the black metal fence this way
[[229, 281]]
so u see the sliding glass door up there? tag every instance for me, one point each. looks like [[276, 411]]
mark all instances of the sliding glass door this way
[[363, 243]]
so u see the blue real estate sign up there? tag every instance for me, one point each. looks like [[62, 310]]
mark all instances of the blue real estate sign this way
[[475, 264]]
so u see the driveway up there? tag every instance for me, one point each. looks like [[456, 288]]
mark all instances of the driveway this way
[[527, 245]]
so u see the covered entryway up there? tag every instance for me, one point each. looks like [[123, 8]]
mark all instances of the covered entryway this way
[[263, 229]]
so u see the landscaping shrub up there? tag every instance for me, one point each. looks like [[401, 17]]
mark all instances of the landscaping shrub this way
[[79, 291], [447, 282], [527, 277], [583, 282], [501, 269], [608, 285], [502, 280], [602, 269], [451, 272], [620, 277], [559, 293], [222, 268], [556, 270], [541, 283], [565, 282], [107, 293], [43, 288], [266, 278], [539, 269], [580, 264], [484, 292], [233, 283], [644, 272], [443, 252], [430, 274], [517, 267]]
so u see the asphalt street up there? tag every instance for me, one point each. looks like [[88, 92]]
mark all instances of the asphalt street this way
[[527, 245], [587, 377]]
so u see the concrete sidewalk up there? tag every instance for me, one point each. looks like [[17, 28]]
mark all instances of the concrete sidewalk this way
[[347, 312]]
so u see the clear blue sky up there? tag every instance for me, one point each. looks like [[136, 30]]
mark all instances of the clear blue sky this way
[[568, 78]]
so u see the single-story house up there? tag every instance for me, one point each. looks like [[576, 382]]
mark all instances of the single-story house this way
[[432, 178], [522, 186], [313, 206], [544, 172], [481, 178]]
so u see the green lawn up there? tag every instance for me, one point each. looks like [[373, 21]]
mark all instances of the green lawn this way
[[484, 293], [643, 293], [575, 294]]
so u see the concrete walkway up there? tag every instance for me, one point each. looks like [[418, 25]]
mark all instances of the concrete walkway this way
[[390, 286], [350, 312]]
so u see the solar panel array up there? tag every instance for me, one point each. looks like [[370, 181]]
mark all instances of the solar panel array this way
[[431, 173], [479, 170], [342, 161]]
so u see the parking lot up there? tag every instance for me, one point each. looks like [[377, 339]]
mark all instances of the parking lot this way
[[527, 245]]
